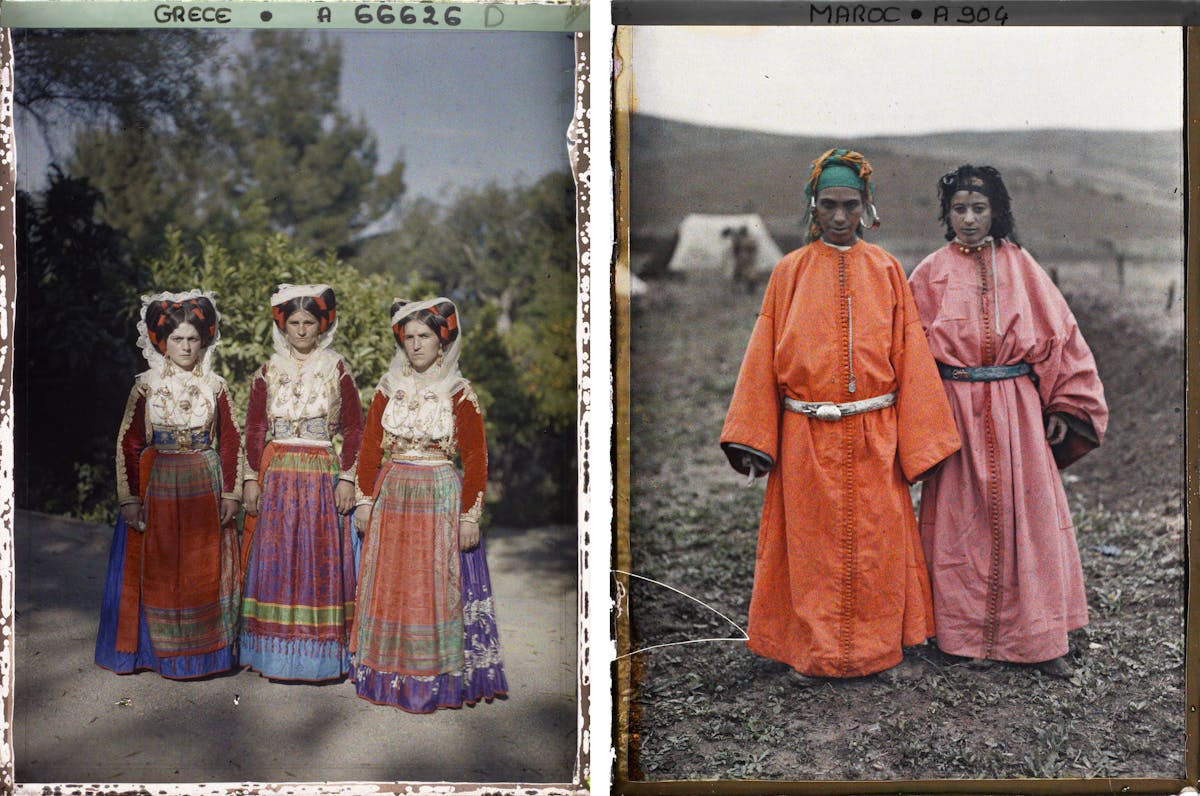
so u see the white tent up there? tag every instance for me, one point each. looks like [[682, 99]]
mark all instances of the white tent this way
[[701, 243]]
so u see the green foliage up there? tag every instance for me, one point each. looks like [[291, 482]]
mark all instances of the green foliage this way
[[508, 257], [267, 149], [74, 354], [254, 176], [131, 78], [244, 283]]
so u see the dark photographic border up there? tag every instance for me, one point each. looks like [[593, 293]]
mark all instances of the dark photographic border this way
[[752, 12]]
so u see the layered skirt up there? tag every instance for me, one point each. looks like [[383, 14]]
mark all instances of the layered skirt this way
[[300, 577], [425, 633], [171, 598]]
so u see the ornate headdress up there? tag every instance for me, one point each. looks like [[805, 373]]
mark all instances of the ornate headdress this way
[[836, 168], [323, 307], [443, 375], [200, 309]]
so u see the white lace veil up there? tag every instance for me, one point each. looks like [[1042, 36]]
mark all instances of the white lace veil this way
[[442, 376], [153, 356], [283, 295]]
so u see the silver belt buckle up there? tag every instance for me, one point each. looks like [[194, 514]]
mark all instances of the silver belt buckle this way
[[828, 412], [960, 374]]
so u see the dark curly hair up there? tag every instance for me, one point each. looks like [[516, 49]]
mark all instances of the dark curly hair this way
[[441, 319], [323, 307], [164, 317], [987, 181]]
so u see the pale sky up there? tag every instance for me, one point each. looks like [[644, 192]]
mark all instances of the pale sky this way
[[907, 79]]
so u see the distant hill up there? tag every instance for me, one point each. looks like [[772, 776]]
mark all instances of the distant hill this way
[[1071, 188]]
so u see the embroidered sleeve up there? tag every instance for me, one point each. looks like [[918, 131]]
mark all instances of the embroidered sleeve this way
[[350, 410], [256, 425], [131, 441], [472, 447], [370, 454], [230, 441]]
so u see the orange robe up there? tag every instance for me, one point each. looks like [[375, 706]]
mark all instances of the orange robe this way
[[996, 528], [840, 584]]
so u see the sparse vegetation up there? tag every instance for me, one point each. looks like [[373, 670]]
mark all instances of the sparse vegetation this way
[[716, 711]]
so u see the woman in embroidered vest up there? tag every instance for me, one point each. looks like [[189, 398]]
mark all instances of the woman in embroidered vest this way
[[299, 594], [1027, 400], [425, 632], [838, 402], [171, 596]]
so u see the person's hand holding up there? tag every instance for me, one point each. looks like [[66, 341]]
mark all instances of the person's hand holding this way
[[134, 516], [1056, 428], [229, 510], [343, 496], [468, 534], [251, 497], [361, 515]]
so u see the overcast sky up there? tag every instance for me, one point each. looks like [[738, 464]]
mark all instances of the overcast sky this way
[[886, 80]]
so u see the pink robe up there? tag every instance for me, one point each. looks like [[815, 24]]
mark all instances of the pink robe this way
[[995, 526]]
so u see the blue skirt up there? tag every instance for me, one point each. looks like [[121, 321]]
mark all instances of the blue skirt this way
[[175, 667]]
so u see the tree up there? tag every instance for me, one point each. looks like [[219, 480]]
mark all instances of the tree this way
[[69, 77], [74, 347], [508, 255], [266, 149]]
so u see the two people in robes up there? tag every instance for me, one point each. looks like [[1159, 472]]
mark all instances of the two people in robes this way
[[856, 384]]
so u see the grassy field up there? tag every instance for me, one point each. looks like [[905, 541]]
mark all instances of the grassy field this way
[[714, 710]]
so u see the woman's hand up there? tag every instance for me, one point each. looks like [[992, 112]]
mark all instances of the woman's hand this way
[[1056, 428], [343, 496], [251, 497], [361, 515], [468, 534], [134, 516], [229, 510]]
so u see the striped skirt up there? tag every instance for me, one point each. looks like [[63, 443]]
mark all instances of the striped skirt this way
[[425, 633], [171, 597], [299, 590]]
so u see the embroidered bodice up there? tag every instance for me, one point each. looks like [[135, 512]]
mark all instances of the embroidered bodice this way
[[418, 421], [178, 400], [307, 391]]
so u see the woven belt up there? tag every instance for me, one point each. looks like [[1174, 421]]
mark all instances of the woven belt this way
[[313, 428], [824, 410], [180, 440], [985, 372], [419, 457]]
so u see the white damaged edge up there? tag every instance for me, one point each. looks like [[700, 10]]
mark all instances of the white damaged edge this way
[[8, 264], [580, 154]]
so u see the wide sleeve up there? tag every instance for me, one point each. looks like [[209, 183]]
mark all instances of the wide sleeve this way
[[750, 435], [351, 420], [230, 442], [925, 432], [370, 453], [472, 449], [1068, 381], [131, 441], [256, 425]]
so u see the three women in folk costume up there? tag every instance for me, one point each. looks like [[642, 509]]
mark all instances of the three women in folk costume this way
[[840, 402], [172, 596]]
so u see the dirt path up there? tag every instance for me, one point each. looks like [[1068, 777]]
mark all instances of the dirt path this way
[[75, 722], [714, 710]]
